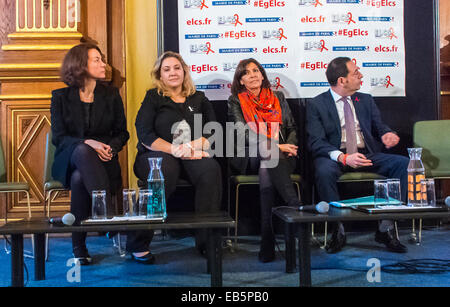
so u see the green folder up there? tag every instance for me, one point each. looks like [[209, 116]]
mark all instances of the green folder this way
[[363, 201]]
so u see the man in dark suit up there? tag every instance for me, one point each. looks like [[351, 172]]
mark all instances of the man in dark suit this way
[[346, 133]]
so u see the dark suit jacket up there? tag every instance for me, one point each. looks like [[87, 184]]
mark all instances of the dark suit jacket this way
[[324, 128], [108, 125], [288, 129]]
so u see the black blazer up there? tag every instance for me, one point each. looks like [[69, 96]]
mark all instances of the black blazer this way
[[158, 114], [288, 130], [108, 125], [324, 128]]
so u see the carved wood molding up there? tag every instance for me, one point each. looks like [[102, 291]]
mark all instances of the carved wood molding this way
[[27, 123], [29, 70]]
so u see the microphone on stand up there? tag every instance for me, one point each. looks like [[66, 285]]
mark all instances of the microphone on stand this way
[[322, 207], [68, 219]]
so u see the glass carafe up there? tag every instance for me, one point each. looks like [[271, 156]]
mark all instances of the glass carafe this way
[[156, 207], [416, 173]]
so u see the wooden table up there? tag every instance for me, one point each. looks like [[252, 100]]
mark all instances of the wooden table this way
[[212, 222]]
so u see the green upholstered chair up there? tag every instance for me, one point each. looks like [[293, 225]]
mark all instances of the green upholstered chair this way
[[51, 187], [12, 187], [242, 180], [359, 177], [433, 137]]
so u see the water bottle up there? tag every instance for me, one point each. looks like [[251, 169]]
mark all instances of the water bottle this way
[[156, 206], [416, 173]]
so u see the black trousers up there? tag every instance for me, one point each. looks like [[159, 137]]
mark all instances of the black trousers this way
[[273, 181], [89, 174], [205, 175]]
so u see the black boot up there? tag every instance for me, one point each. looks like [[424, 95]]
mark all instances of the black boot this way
[[267, 249]]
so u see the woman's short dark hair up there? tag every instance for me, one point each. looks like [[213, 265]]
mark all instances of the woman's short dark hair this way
[[236, 86], [74, 66], [336, 69]]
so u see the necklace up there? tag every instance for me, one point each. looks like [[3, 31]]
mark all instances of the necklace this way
[[86, 97]]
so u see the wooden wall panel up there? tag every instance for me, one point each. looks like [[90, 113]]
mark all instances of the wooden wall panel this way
[[29, 71], [7, 24], [28, 125]]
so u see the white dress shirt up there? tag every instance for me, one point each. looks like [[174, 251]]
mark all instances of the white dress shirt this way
[[334, 155]]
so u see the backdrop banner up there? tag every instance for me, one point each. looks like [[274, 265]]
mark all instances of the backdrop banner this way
[[294, 40]]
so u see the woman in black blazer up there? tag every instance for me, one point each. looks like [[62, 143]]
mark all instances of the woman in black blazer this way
[[165, 128], [254, 104], [89, 130]]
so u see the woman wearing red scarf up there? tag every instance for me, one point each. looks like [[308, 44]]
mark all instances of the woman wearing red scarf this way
[[270, 120]]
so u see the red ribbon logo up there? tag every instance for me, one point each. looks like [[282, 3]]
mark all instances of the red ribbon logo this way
[[281, 31], [317, 3], [236, 20], [392, 34], [322, 46], [388, 82], [204, 5], [278, 85], [354, 61], [350, 18], [208, 45]]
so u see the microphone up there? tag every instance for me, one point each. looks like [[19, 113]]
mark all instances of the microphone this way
[[444, 201], [68, 219], [321, 207]]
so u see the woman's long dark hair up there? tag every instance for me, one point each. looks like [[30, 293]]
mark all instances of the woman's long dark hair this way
[[74, 67], [241, 70]]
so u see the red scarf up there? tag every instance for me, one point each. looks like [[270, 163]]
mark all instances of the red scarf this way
[[260, 112]]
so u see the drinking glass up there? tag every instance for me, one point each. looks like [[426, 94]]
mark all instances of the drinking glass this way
[[394, 191], [129, 202], [99, 205], [145, 196], [381, 193], [428, 192]]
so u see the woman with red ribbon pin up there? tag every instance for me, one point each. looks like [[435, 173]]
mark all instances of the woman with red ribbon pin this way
[[166, 126], [272, 127]]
